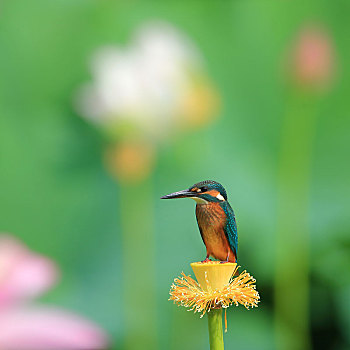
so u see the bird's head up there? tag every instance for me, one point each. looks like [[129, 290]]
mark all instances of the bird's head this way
[[202, 192]]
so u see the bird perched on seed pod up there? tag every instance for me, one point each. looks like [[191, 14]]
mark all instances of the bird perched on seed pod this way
[[215, 217]]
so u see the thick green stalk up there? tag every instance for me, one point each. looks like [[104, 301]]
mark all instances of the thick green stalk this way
[[216, 338], [138, 259], [292, 241]]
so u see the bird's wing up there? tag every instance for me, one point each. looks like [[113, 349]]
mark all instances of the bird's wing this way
[[231, 227], [199, 225]]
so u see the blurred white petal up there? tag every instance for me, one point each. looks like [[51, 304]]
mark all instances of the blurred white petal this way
[[165, 48]]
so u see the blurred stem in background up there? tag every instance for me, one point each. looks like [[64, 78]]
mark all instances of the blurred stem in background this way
[[310, 66], [292, 242], [130, 161], [138, 264]]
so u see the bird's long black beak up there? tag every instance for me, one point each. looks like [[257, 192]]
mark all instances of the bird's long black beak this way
[[179, 194]]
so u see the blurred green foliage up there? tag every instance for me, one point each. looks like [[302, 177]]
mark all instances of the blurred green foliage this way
[[58, 198]]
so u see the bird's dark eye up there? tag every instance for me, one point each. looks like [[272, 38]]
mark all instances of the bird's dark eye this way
[[203, 189]]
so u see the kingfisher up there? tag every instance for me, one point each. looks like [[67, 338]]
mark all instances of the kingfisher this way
[[215, 217]]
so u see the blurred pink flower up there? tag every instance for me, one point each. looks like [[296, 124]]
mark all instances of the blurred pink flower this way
[[23, 276], [37, 327], [313, 57]]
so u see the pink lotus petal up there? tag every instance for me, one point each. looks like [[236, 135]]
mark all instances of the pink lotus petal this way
[[48, 328], [314, 56], [23, 274]]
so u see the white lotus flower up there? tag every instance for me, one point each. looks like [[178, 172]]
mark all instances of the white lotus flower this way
[[146, 83]]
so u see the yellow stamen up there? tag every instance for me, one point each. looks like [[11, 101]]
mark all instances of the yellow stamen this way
[[187, 292]]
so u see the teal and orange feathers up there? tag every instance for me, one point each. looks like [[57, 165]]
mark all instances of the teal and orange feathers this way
[[215, 218]]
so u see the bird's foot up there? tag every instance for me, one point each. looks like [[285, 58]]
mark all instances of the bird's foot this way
[[205, 260], [225, 261]]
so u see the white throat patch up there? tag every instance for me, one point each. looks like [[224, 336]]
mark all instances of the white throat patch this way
[[200, 200], [220, 197]]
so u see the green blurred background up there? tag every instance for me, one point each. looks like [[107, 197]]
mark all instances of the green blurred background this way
[[280, 149]]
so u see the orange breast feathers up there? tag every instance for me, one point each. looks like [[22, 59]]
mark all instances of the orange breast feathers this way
[[211, 220], [210, 215]]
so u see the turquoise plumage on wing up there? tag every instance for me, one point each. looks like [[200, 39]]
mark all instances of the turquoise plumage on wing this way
[[231, 226], [215, 217]]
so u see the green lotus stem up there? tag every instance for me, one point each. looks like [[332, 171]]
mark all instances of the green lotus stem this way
[[138, 259], [216, 338], [292, 241]]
